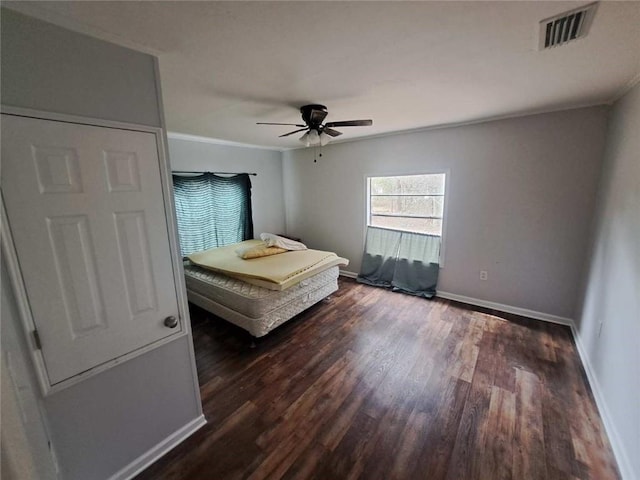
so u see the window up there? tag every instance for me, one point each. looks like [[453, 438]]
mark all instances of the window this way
[[413, 203], [212, 211]]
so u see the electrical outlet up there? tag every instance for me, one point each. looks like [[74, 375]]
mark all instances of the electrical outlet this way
[[484, 274]]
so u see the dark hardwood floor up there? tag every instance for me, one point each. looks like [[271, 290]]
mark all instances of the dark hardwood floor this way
[[378, 385]]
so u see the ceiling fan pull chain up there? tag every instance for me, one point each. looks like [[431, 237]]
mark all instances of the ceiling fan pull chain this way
[[317, 152]]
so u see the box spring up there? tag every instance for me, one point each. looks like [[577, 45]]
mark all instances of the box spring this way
[[256, 309]]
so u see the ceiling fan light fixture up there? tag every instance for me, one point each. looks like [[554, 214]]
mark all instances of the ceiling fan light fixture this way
[[314, 137], [324, 139]]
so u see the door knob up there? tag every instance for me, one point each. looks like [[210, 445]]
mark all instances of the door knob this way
[[171, 322]]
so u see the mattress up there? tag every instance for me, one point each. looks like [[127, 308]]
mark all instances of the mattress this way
[[259, 327], [275, 272], [249, 300]]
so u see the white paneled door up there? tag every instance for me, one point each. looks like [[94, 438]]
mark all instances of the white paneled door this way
[[86, 211]]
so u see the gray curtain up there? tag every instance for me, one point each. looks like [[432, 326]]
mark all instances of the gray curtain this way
[[403, 261], [379, 258]]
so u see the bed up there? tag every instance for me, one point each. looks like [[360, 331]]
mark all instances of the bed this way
[[260, 294]]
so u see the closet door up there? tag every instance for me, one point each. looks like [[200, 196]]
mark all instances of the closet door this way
[[87, 216]]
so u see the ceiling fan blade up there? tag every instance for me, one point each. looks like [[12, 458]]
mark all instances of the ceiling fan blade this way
[[331, 132], [350, 123], [295, 131], [270, 123]]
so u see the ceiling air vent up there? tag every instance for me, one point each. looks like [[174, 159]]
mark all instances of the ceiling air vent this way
[[567, 26]]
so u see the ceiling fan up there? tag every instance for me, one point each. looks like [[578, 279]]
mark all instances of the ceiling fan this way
[[317, 133]]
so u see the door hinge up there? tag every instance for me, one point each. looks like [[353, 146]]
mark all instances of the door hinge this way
[[36, 339]]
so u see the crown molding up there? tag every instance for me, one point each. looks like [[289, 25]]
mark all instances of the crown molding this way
[[217, 141], [625, 89]]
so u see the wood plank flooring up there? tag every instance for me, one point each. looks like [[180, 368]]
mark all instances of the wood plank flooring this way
[[372, 384]]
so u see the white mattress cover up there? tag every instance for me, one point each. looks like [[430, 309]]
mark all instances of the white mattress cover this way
[[250, 300]]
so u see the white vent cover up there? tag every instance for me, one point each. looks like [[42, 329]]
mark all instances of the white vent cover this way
[[565, 27]]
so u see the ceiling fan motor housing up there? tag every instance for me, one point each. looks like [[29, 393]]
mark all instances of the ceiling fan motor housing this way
[[313, 115]]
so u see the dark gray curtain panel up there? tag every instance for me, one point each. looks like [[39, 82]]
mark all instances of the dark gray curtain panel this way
[[402, 261], [212, 211]]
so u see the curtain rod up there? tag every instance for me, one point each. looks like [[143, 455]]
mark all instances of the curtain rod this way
[[216, 173]]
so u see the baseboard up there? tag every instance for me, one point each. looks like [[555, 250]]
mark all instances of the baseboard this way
[[622, 459], [348, 274], [524, 312], [146, 459], [547, 317]]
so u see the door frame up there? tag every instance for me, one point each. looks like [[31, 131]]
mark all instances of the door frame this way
[[15, 274]]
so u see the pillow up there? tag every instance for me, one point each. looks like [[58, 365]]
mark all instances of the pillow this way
[[258, 251], [277, 241]]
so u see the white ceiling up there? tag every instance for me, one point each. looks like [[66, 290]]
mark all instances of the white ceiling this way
[[226, 65]]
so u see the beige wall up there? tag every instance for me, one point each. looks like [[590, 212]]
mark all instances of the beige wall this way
[[521, 194], [609, 326]]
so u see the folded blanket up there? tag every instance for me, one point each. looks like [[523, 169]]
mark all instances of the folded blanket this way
[[273, 240], [258, 251]]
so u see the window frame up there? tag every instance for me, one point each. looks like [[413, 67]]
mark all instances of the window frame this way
[[367, 201]]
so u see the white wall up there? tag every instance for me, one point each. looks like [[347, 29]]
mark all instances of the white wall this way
[[521, 193], [266, 188], [54, 76], [609, 327], [23, 437], [100, 425]]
